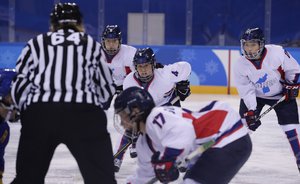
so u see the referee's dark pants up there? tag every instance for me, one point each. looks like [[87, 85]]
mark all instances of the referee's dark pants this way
[[81, 127]]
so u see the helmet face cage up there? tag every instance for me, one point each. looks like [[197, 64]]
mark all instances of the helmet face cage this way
[[142, 56], [133, 122], [133, 105], [111, 32], [253, 35], [65, 13]]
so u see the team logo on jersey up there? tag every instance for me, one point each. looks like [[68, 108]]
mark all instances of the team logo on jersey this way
[[175, 73], [261, 83], [264, 83]]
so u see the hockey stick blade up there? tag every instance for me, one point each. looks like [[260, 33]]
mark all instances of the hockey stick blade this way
[[190, 156]]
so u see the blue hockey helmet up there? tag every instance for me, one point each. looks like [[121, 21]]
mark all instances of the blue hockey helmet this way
[[6, 77], [111, 32], [142, 56], [253, 35], [136, 104], [145, 55]]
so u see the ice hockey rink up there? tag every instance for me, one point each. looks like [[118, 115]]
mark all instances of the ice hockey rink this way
[[271, 161]]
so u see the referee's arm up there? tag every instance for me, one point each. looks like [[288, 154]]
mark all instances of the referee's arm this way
[[21, 84], [105, 81]]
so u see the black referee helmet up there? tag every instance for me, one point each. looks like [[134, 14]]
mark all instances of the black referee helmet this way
[[65, 13]]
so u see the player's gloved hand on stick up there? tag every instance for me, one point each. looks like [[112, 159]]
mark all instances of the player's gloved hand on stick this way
[[250, 117], [165, 169], [290, 91], [134, 138], [183, 89]]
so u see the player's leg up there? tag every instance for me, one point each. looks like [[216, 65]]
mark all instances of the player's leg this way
[[225, 161], [89, 142], [36, 145], [288, 118], [4, 138]]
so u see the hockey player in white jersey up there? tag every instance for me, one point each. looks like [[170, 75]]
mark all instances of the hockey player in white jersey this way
[[169, 133], [118, 56], [263, 75], [164, 84], [168, 85]]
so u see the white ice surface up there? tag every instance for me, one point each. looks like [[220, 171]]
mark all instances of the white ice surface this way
[[271, 161]]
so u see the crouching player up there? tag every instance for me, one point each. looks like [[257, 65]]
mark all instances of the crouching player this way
[[6, 112], [169, 133]]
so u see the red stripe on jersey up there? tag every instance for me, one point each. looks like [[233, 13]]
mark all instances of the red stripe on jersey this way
[[282, 73], [127, 69], [208, 124]]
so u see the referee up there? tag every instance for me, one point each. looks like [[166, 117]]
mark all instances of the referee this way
[[60, 89]]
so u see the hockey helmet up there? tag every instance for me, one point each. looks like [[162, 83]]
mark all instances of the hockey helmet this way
[[132, 106], [111, 32], [65, 13], [142, 56], [145, 55], [253, 35]]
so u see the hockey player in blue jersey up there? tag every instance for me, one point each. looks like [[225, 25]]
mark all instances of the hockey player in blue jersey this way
[[6, 112], [263, 75]]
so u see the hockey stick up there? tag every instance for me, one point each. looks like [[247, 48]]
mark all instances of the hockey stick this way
[[122, 149], [188, 158], [175, 100], [270, 108]]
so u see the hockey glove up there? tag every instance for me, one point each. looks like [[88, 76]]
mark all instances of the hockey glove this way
[[165, 169], [183, 89], [250, 117], [290, 91]]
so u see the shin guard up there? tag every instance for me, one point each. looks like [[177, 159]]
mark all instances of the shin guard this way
[[292, 132]]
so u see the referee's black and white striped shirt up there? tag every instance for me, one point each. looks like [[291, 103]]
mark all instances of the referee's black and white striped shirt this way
[[62, 66]]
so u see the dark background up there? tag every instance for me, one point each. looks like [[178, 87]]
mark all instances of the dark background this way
[[210, 18]]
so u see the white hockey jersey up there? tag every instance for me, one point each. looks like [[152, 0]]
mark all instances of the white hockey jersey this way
[[121, 64], [264, 79], [162, 86], [177, 128]]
